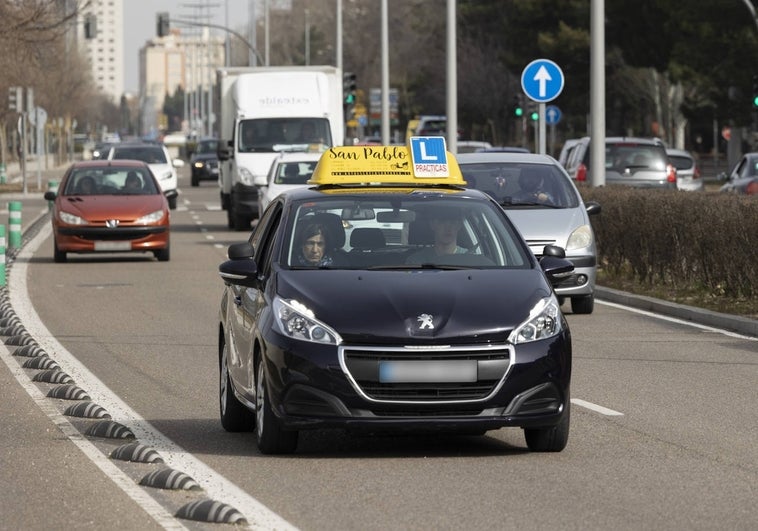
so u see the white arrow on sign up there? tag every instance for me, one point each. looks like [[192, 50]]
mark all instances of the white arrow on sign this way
[[542, 77]]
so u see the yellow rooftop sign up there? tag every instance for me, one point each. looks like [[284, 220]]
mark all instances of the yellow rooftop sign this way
[[424, 162]]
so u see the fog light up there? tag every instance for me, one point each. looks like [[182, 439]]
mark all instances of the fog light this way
[[581, 280]]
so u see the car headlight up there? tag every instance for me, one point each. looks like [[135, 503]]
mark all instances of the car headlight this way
[[580, 238], [295, 320], [71, 219], [198, 164], [544, 321], [152, 217], [245, 176]]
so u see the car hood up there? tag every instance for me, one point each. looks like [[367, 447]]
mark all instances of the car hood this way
[[387, 306], [542, 226], [102, 207]]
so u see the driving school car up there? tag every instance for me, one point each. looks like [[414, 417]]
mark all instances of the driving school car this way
[[401, 324]]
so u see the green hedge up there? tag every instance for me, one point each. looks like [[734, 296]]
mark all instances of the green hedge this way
[[682, 240]]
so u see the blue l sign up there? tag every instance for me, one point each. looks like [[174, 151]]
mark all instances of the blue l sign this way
[[429, 154], [542, 80]]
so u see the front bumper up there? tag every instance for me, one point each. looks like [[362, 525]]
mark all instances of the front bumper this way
[[245, 200], [318, 386], [88, 239], [582, 280]]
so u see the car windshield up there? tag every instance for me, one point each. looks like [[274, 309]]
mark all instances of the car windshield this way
[[110, 181], [207, 146], [521, 184], [282, 134], [149, 154], [410, 232], [294, 172]]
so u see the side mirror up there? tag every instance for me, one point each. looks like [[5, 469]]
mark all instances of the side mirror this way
[[593, 208], [223, 154], [260, 180], [50, 195], [178, 163], [240, 269], [722, 176]]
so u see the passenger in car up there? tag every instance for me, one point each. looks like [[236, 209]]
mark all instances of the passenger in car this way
[[133, 182], [313, 245], [445, 224], [533, 187], [86, 185]]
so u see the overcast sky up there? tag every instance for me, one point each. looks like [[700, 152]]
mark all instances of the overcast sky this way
[[140, 25]]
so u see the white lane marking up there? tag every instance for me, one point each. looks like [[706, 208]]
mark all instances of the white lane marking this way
[[124, 482], [677, 320], [596, 408], [215, 485]]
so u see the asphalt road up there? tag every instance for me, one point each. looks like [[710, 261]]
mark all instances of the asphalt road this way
[[663, 429]]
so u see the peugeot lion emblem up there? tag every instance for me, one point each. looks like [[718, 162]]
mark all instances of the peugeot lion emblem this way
[[111, 223], [426, 321]]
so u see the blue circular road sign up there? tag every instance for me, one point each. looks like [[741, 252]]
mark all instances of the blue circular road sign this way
[[542, 80], [552, 115]]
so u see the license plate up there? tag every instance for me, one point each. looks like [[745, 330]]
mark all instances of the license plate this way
[[113, 246], [419, 371]]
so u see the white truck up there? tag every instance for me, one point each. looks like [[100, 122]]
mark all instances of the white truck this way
[[264, 111]]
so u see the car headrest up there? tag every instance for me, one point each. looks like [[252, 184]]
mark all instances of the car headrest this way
[[367, 238]]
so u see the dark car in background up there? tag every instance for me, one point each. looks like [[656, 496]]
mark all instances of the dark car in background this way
[[204, 161], [630, 161], [743, 179]]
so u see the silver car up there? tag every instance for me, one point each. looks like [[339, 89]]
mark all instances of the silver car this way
[[629, 161], [546, 207], [687, 170]]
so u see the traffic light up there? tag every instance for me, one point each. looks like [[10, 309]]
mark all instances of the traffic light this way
[[90, 26], [534, 114], [518, 107], [349, 87], [162, 24], [15, 99]]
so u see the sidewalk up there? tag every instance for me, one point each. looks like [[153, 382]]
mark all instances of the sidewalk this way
[[33, 167]]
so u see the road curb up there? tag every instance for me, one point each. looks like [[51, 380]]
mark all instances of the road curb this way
[[734, 323]]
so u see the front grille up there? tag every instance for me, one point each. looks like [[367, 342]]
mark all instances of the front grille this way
[[112, 234], [366, 368]]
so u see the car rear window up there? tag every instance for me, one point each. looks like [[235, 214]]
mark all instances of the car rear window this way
[[633, 156], [681, 163], [151, 155]]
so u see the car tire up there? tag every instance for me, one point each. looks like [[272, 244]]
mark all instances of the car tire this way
[[163, 255], [58, 256], [584, 304], [271, 438], [552, 439], [172, 203], [235, 417]]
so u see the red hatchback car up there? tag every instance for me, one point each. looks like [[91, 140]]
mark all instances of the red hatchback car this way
[[109, 206]]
